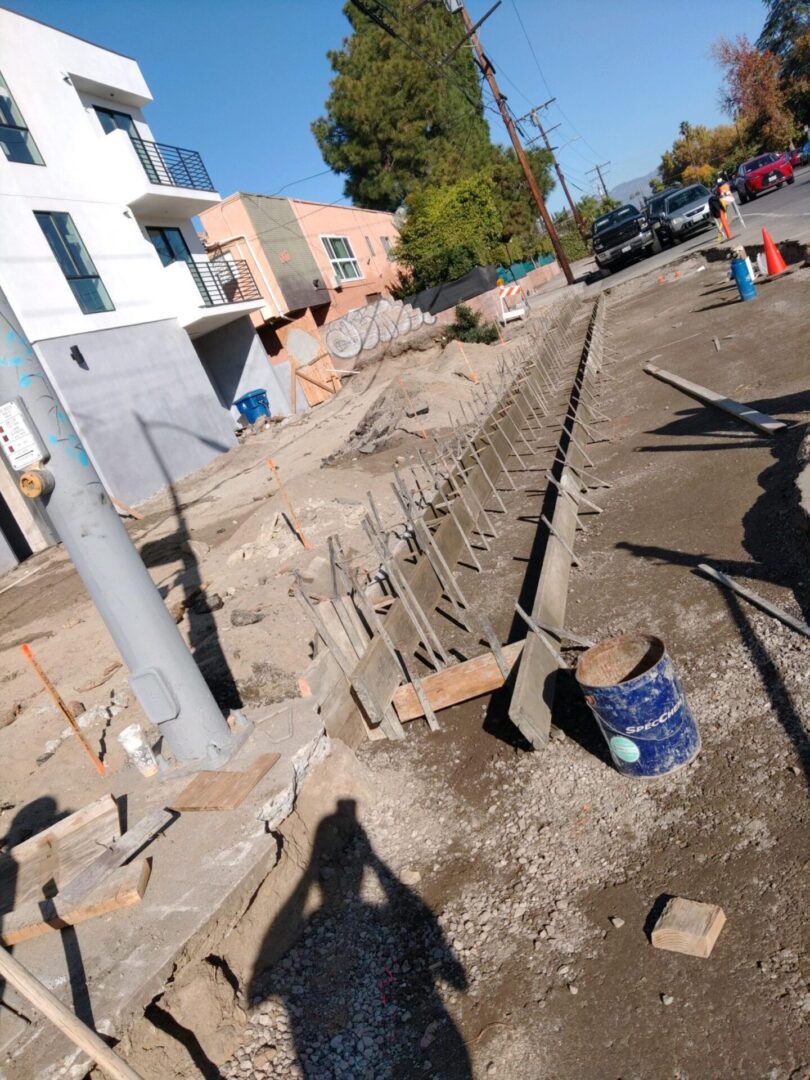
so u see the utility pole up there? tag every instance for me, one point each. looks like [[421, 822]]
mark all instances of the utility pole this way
[[489, 74], [58, 473], [598, 171], [578, 219]]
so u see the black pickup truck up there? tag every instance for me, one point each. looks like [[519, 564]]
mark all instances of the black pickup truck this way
[[619, 235]]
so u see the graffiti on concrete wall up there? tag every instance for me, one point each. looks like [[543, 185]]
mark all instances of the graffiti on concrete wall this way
[[367, 327]]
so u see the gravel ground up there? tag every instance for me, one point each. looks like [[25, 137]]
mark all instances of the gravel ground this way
[[490, 916]]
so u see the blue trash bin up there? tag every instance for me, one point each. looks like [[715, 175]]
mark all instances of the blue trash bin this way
[[252, 405], [638, 701]]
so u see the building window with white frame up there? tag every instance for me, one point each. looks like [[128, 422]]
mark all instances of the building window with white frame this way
[[74, 261], [15, 138], [342, 258], [387, 247]]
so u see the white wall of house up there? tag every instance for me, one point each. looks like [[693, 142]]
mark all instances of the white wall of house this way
[[142, 373]]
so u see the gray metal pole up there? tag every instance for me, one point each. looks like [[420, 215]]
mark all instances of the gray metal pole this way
[[163, 674]]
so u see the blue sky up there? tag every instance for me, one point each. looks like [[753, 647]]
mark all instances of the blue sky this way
[[240, 80]]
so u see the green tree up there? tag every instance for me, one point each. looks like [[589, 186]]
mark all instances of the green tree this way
[[699, 151], [448, 231], [392, 124], [753, 89], [517, 209], [786, 34]]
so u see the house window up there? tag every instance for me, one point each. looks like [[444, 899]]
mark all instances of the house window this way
[[342, 258], [74, 261], [169, 244], [15, 138], [386, 243], [113, 120], [370, 246]]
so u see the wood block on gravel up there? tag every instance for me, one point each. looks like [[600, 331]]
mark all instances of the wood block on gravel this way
[[688, 926]]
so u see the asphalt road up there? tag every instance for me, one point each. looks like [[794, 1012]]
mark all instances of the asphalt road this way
[[785, 213]]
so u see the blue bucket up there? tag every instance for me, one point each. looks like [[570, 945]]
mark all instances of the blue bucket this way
[[742, 277], [252, 405], [638, 701]]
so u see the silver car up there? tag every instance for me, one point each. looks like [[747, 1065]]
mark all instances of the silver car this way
[[687, 212]]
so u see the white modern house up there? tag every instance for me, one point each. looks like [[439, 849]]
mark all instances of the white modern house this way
[[147, 342]]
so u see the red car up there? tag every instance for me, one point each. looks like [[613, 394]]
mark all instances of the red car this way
[[762, 173], [794, 157]]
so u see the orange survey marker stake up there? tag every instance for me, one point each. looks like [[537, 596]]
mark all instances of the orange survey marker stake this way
[[725, 225], [472, 376], [293, 516], [63, 709]]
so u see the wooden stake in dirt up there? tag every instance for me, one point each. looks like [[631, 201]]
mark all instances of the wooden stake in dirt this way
[[293, 516], [62, 1018], [472, 376], [63, 709], [761, 421]]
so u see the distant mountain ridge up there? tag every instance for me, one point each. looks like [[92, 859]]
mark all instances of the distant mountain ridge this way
[[628, 191]]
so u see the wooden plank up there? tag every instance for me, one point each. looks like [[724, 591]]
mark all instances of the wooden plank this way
[[121, 888], [461, 682], [98, 765], [62, 1018], [688, 926], [217, 790], [129, 510], [761, 421], [125, 848], [57, 853], [535, 685]]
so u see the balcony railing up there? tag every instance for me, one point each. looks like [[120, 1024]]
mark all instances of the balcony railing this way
[[224, 281], [172, 166]]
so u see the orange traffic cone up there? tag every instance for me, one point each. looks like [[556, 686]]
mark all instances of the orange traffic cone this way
[[773, 257]]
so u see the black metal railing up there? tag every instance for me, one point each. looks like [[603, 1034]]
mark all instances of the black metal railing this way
[[172, 165], [224, 281]]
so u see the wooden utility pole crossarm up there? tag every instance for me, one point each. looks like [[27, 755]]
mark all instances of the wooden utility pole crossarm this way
[[531, 180], [578, 219]]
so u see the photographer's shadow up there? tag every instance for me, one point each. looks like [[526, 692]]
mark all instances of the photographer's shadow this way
[[360, 986]]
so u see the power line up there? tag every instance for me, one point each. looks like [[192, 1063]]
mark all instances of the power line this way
[[545, 80], [486, 67], [302, 180]]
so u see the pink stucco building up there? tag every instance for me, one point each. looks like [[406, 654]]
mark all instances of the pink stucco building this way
[[312, 262]]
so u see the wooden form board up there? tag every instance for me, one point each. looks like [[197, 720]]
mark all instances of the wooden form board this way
[[120, 888], [322, 370], [223, 790], [461, 682], [533, 696], [58, 853], [378, 674], [761, 421]]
